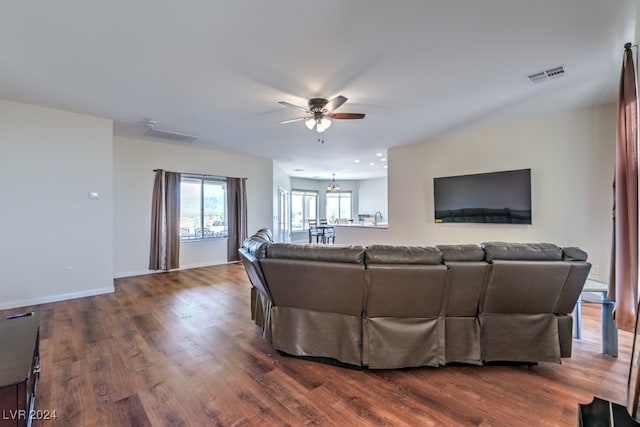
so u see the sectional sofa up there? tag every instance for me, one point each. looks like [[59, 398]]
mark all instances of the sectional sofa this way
[[385, 306]]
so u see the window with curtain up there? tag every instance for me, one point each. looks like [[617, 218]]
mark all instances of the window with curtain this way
[[304, 206], [203, 208], [339, 206]]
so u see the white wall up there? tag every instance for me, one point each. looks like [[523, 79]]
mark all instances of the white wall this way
[[372, 197], [50, 161], [571, 156], [134, 162]]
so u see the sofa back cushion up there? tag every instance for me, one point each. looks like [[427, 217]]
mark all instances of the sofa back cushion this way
[[336, 287], [392, 254], [405, 290], [257, 244], [522, 251], [313, 252], [461, 252], [572, 253], [466, 286], [524, 286]]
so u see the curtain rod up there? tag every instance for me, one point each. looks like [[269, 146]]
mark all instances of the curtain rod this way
[[202, 174]]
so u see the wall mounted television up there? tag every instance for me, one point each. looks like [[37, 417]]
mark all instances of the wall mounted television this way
[[496, 197]]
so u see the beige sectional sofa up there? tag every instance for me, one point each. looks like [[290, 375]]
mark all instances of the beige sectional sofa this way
[[385, 306]]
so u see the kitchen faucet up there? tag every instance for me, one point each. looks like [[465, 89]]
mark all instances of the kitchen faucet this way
[[375, 218]]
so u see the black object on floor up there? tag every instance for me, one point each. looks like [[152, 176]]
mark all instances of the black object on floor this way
[[603, 413]]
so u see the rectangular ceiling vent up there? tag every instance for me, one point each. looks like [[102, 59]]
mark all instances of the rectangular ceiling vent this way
[[167, 134], [551, 73]]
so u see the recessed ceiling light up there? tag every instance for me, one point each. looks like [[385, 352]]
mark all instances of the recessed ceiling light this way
[[379, 154], [372, 164], [356, 161], [383, 159]]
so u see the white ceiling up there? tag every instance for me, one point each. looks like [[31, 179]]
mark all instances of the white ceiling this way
[[217, 69]]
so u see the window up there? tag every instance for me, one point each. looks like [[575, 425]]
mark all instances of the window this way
[[203, 208], [338, 206], [304, 206]]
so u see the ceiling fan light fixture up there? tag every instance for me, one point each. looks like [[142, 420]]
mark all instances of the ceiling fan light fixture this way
[[310, 123], [333, 186], [323, 124]]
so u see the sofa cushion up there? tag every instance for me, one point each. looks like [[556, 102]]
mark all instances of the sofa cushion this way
[[461, 252], [257, 244], [522, 251], [573, 253], [265, 234], [256, 247], [314, 252], [391, 254]]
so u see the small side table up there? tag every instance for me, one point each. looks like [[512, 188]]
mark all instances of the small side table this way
[[609, 331]]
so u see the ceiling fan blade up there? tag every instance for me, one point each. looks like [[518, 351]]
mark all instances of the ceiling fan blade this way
[[341, 116], [296, 107], [298, 119], [335, 103]]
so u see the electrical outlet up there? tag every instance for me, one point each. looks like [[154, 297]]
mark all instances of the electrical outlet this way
[[69, 271], [595, 269]]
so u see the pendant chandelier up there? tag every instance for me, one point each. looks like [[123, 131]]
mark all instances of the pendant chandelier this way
[[333, 186]]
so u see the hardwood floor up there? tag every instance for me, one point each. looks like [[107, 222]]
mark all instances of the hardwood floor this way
[[179, 349]]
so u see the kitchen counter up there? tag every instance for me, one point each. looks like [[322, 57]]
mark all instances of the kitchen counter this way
[[362, 234], [382, 225]]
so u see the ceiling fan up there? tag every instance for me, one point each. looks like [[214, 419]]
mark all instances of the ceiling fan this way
[[320, 112]]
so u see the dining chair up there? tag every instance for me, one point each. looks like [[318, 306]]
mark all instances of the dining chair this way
[[329, 235], [314, 231]]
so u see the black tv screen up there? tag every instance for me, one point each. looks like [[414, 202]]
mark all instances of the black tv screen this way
[[496, 197]]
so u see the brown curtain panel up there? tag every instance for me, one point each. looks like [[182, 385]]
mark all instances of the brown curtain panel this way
[[156, 253], [172, 205], [623, 283], [237, 221], [164, 251]]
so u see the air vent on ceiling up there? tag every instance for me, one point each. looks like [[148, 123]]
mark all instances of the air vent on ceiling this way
[[167, 134], [551, 73]]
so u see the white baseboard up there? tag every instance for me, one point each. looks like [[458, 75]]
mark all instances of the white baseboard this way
[[184, 267], [201, 264], [55, 298], [136, 273]]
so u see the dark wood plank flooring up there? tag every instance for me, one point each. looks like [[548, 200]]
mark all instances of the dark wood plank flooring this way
[[179, 349]]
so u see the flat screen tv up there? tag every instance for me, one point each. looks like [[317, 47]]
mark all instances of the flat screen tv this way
[[497, 197]]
